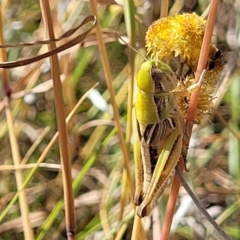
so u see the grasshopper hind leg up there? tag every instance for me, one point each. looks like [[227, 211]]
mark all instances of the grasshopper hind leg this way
[[138, 197], [161, 176]]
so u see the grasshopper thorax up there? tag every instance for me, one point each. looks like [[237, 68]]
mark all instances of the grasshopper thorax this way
[[154, 79]]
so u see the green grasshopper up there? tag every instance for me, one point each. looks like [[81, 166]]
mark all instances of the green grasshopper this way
[[160, 131]]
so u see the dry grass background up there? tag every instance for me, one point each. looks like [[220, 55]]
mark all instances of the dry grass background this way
[[94, 148]]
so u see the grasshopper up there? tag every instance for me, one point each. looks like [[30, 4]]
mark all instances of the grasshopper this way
[[160, 132]]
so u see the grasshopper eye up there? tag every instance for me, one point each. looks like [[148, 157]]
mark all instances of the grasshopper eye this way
[[156, 74], [159, 80]]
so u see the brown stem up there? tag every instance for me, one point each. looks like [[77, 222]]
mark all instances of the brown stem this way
[[63, 137], [190, 117]]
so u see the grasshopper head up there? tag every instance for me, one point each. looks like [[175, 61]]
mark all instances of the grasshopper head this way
[[152, 79]]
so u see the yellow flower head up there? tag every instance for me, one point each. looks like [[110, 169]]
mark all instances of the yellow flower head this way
[[183, 98], [179, 36]]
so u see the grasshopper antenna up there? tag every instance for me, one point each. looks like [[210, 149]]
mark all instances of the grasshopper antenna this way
[[134, 49]]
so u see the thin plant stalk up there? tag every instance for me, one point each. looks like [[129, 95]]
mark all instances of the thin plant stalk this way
[[164, 8], [202, 62], [171, 205], [27, 229], [129, 13], [137, 232], [63, 137], [106, 67], [70, 43], [191, 115]]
